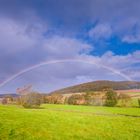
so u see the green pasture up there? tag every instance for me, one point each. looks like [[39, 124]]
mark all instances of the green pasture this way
[[68, 122]]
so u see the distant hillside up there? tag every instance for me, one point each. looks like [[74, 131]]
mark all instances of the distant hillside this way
[[9, 94], [98, 85]]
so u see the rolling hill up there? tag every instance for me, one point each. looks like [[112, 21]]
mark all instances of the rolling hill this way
[[98, 85]]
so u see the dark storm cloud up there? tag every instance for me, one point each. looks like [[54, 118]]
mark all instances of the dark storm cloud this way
[[71, 13]]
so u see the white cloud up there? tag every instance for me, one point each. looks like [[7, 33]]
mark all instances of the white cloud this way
[[16, 37], [64, 47], [131, 39], [124, 64], [101, 31], [127, 29]]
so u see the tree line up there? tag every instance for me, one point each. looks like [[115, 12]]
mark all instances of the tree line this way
[[106, 97]]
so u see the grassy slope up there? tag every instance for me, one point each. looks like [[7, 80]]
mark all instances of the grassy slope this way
[[65, 122]]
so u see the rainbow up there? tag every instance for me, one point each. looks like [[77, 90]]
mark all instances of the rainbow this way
[[115, 71]]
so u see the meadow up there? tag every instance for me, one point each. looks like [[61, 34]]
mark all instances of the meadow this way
[[69, 122]]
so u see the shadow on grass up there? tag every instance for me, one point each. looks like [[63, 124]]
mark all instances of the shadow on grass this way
[[34, 107]]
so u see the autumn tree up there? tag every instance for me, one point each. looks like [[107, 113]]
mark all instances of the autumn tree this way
[[89, 97], [54, 99], [124, 100], [76, 99]]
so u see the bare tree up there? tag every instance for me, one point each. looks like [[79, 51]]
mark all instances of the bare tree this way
[[24, 90], [4, 101], [31, 100], [28, 98]]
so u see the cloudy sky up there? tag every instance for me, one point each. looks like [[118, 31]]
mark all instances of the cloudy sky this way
[[53, 44]]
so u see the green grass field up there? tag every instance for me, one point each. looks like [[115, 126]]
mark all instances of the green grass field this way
[[67, 122]]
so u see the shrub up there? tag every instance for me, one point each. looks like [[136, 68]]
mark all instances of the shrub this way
[[31, 100], [111, 98]]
